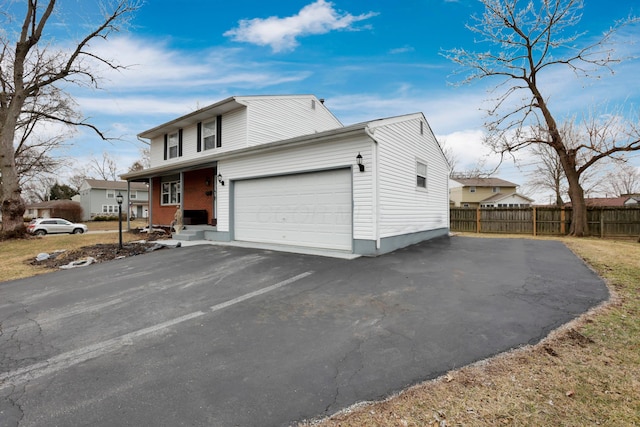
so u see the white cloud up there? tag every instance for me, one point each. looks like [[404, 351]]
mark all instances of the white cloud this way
[[154, 65], [282, 34], [403, 49]]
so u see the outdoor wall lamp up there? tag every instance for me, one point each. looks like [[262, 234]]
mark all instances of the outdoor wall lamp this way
[[359, 161], [220, 180], [207, 182]]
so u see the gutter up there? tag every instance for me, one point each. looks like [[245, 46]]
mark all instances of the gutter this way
[[212, 159]]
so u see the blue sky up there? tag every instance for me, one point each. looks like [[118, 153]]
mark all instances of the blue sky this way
[[369, 60]]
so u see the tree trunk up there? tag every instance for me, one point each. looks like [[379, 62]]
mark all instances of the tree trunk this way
[[579, 223], [12, 203]]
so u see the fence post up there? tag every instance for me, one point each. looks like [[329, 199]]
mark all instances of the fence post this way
[[478, 219], [535, 223], [602, 223], [562, 219]]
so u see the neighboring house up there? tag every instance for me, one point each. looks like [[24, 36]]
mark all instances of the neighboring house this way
[[284, 170], [98, 197], [44, 209], [632, 201], [610, 202], [485, 192]]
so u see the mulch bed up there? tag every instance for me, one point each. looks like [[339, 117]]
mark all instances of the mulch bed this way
[[101, 252]]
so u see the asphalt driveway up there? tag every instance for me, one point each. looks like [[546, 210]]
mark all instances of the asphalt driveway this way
[[225, 336]]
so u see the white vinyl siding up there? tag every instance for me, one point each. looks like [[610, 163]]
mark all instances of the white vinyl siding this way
[[276, 118], [263, 120], [404, 209]]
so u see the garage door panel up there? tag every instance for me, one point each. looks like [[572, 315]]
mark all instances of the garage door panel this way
[[305, 210]]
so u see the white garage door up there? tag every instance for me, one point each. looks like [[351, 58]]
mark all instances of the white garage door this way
[[311, 209]]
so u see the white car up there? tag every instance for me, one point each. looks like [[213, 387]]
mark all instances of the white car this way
[[42, 226]]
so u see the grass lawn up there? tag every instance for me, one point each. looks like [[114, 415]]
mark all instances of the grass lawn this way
[[586, 373], [14, 254]]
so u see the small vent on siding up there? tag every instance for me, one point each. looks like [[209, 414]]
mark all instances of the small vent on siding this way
[[313, 104]]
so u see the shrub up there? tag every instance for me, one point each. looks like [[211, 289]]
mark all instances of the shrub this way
[[71, 211]]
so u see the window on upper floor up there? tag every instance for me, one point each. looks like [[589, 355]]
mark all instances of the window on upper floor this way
[[111, 194], [172, 145], [421, 175], [496, 189], [209, 135], [134, 194], [472, 189]]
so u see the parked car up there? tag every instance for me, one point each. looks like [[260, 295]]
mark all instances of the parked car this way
[[42, 226]]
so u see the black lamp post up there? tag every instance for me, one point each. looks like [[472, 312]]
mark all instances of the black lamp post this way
[[119, 200]]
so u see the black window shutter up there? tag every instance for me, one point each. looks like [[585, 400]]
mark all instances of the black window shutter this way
[[166, 145], [219, 131], [180, 143], [199, 137]]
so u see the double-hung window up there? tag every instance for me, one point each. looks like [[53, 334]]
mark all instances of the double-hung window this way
[[171, 193], [172, 145], [209, 135], [421, 175], [111, 194]]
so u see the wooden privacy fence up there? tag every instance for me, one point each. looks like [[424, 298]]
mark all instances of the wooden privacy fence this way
[[546, 221]]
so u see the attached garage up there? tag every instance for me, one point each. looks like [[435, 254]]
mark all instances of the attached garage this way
[[310, 209]]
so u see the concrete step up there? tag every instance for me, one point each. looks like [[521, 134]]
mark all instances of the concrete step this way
[[189, 235]]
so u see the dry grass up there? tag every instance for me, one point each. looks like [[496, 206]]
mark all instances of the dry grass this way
[[14, 254], [586, 373], [113, 225]]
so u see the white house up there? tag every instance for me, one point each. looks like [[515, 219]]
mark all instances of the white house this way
[[512, 200], [283, 170]]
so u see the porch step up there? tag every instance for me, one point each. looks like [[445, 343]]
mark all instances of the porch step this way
[[189, 235], [193, 232]]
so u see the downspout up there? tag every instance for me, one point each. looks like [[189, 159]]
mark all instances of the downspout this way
[[375, 186], [128, 205]]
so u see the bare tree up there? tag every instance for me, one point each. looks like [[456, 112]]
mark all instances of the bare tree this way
[[549, 174], [38, 189], [105, 168], [145, 160], [625, 179], [34, 142], [532, 39], [30, 72]]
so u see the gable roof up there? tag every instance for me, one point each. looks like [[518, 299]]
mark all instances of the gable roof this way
[[115, 185], [484, 182], [363, 128], [218, 108], [501, 196], [603, 201]]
